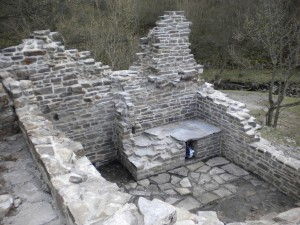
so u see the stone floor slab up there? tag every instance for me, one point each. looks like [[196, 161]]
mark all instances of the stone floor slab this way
[[181, 171], [195, 166], [232, 188], [198, 191], [166, 186], [140, 193], [183, 191], [218, 179], [175, 180], [235, 170], [256, 182], [216, 170], [189, 203], [223, 192], [152, 187], [211, 186], [161, 178], [144, 182], [194, 176], [203, 169], [207, 198], [204, 178], [172, 200], [185, 183], [217, 161], [228, 177], [170, 192]]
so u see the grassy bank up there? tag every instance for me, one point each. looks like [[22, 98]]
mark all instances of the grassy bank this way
[[244, 76], [288, 130]]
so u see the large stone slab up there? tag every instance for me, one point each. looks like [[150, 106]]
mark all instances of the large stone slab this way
[[222, 192], [209, 218], [127, 215], [227, 177], [204, 178], [183, 191], [185, 183], [193, 167], [142, 141], [216, 170], [185, 130], [290, 216], [207, 198], [217, 161], [156, 212], [182, 171], [161, 178], [235, 170], [6, 202], [203, 169], [189, 203]]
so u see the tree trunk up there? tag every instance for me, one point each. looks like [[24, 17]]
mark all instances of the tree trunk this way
[[270, 116]]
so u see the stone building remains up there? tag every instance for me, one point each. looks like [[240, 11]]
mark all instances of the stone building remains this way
[[74, 111]]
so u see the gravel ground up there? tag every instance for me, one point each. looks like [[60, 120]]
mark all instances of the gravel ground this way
[[19, 177]]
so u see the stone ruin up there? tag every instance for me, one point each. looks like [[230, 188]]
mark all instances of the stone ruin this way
[[74, 111]]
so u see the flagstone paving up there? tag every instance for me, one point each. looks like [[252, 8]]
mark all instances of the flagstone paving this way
[[216, 185]]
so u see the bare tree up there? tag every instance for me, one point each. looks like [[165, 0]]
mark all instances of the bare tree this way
[[275, 32]]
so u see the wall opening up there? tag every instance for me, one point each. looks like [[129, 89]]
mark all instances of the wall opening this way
[[190, 151], [56, 117], [133, 130]]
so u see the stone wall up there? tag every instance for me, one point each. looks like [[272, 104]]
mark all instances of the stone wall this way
[[208, 147], [80, 192], [72, 90], [166, 55], [160, 88], [82, 109], [241, 142], [107, 110]]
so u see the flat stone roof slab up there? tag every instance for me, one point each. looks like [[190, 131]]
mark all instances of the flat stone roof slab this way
[[187, 130]]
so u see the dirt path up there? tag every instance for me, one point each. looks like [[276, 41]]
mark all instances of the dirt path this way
[[20, 178]]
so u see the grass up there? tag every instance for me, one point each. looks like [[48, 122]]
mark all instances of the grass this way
[[244, 76], [288, 130]]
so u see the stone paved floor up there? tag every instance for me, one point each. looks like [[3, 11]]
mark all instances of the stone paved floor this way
[[216, 185], [20, 178]]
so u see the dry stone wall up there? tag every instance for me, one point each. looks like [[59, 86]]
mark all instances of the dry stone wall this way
[[107, 110], [241, 143], [72, 90], [208, 147], [160, 88], [166, 55], [80, 192]]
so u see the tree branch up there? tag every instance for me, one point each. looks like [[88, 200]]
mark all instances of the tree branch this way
[[290, 105]]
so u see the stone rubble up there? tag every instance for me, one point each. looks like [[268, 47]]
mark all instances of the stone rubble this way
[[6, 203]]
